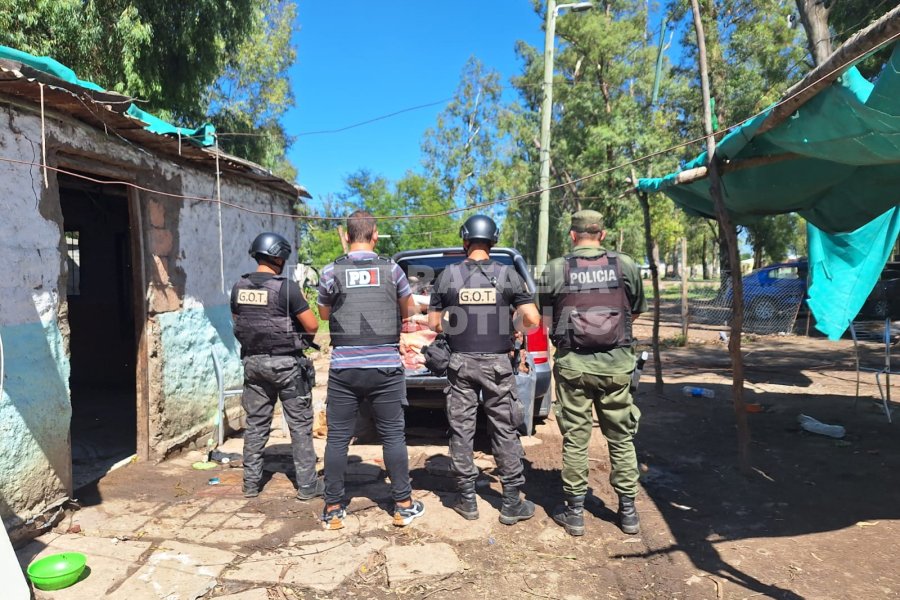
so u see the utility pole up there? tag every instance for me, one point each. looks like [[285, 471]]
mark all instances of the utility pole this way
[[546, 117]]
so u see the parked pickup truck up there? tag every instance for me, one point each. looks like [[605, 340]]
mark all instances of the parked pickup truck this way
[[427, 390]]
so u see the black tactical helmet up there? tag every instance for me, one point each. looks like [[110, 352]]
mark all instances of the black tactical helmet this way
[[270, 244], [479, 227]]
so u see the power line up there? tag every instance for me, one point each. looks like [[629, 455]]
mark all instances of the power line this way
[[515, 198], [374, 119]]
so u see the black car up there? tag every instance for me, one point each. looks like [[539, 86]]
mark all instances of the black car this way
[[427, 390]]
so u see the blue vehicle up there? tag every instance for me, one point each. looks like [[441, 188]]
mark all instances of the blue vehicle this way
[[775, 289]]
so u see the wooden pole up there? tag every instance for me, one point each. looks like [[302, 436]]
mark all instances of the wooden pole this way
[[652, 252], [882, 31], [730, 235], [684, 291]]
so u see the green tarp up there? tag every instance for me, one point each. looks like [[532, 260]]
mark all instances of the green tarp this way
[[201, 136], [846, 183]]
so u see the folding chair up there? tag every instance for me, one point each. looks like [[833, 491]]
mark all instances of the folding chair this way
[[223, 393], [885, 369]]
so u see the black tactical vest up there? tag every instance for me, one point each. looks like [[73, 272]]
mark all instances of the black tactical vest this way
[[592, 312], [262, 324], [365, 310], [478, 311]]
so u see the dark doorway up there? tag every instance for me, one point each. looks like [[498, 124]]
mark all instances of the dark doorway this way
[[101, 322]]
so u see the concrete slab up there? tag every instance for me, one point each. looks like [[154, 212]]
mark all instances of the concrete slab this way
[[414, 562], [107, 563], [163, 529], [254, 594], [209, 519], [194, 535], [443, 522], [226, 505], [126, 524], [323, 566], [176, 570], [245, 521], [235, 537], [182, 510]]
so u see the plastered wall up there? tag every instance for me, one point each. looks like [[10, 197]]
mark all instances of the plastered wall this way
[[188, 316]]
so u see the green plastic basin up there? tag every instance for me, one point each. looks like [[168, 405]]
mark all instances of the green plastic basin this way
[[57, 571]]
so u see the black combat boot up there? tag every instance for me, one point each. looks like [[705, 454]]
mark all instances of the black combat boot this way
[[465, 503], [629, 522], [515, 508], [571, 515]]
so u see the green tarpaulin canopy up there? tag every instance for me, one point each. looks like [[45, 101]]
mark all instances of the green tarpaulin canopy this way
[[201, 136], [836, 162]]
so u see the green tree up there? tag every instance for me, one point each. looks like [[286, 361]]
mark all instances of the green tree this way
[[772, 238], [463, 152], [186, 60], [414, 194], [602, 119], [250, 97]]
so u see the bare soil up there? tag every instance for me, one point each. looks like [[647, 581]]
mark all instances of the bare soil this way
[[815, 518]]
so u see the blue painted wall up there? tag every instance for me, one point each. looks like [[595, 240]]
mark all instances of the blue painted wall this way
[[35, 413], [190, 394]]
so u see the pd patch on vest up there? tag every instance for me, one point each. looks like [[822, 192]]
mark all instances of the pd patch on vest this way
[[253, 297], [600, 277], [369, 277], [478, 296]]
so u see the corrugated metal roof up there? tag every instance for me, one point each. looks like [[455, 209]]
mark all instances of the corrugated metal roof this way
[[106, 111]]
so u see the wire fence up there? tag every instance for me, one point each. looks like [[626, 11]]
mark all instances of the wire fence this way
[[772, 301]]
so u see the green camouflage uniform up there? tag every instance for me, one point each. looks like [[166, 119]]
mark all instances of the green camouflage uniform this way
[[595, 379]]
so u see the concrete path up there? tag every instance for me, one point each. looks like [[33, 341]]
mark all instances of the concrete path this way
[[207, 541]]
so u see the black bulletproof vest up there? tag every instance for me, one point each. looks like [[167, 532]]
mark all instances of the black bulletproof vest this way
[[365, 310], [592, 312], [478, 312], [262, 324]]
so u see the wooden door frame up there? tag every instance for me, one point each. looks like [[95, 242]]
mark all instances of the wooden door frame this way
[[139, 301]]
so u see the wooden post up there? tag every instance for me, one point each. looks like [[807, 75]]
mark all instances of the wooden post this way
[[652, 252], [684, 290], [343, 241], [884, 30], [621, 240], [730, 235]]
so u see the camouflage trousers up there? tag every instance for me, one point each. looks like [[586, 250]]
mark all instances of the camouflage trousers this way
[[491, 376]]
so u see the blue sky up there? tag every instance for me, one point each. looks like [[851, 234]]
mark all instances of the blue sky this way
[[359, 59]]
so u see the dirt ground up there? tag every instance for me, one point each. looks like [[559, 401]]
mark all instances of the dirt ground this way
[[816, 517]]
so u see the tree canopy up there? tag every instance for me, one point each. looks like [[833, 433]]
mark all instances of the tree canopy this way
[[224, 61]]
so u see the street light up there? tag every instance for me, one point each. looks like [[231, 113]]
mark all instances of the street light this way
[[546, 115]]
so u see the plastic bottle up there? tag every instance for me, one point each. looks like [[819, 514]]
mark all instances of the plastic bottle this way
[[815, 426], [697, 392], [638, 369]]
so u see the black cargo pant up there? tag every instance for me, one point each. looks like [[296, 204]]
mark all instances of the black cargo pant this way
[[385, 389], [492, 375], [266, 378]]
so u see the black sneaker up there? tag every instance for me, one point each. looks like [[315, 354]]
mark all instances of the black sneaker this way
[[403, 516], [308, 492], [334, 518], [250, 491]]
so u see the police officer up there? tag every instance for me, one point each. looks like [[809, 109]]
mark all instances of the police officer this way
[[364, 296], [591, 296], [473, 303], [273, 322]]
